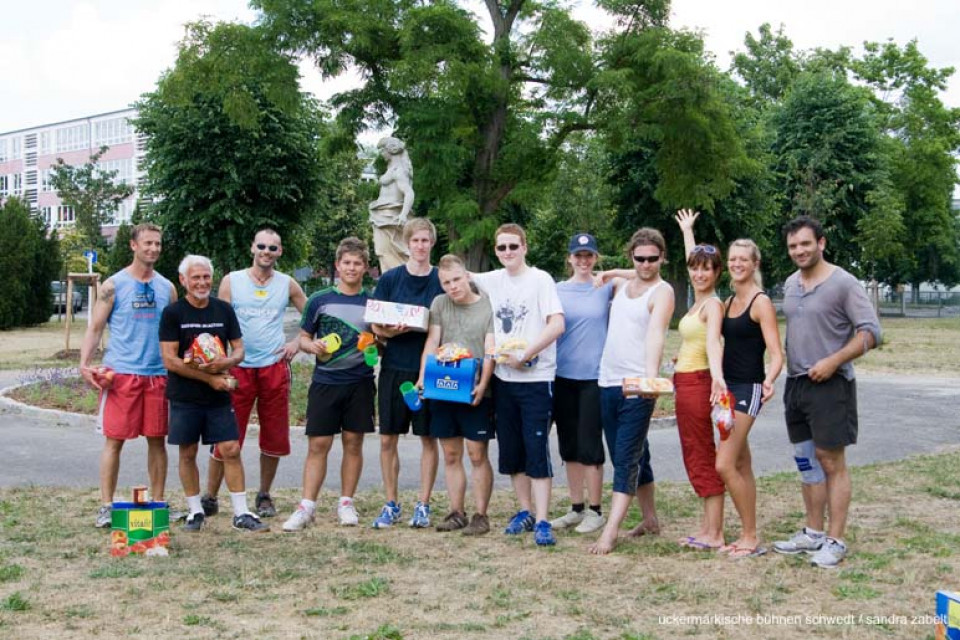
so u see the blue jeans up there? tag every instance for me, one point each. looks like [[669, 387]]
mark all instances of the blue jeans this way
[[626, 422]]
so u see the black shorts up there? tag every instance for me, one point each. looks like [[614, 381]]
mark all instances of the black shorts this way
[[576, 411], [825, 412], [189, 423], [332, 408], [458, 420], [395, 416]]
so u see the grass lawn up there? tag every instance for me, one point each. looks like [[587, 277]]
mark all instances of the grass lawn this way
[[57, 580]]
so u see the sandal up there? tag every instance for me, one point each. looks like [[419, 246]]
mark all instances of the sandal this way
[[739, 553]]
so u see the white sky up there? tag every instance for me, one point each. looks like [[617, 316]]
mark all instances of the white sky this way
[[63, 59]]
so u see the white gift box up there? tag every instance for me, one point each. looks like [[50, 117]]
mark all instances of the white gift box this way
[[395, 313]]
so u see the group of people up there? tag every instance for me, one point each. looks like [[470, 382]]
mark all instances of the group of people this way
[[547, 353]]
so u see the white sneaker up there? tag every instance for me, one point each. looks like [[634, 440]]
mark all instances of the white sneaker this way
[[592, 521], [300, 520], [348, 514], [569, 519], [830, 555], [801, 542]]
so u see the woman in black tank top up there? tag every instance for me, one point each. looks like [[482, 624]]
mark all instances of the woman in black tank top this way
[[749, 329]]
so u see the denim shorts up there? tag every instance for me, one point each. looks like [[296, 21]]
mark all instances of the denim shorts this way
[[626, 421]]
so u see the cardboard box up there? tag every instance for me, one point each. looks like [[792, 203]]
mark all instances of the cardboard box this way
[[139, 527], [394, 313], [948, 616], [451, 382]]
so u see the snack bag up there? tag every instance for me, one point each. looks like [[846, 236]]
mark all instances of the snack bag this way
[[722, 415], [452, 352], [516, 347], [205, 349]]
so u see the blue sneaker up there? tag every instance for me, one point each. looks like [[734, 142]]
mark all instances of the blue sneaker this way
[[388, 517], [543, 534], [521, 522], [421, 516]]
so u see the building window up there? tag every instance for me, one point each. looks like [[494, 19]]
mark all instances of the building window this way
[[3, 150], [4, 186], [73, 138], [46, 213], [45, 147], [17, 184], [124, 169], [111, 132], [45, 176], [17, 148], [65, 215]]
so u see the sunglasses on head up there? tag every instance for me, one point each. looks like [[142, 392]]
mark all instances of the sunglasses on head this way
[[708, 249], [642, 259], [511, 247], [263, 247]]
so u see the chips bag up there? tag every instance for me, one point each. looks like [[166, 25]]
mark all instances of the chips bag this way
[[206, 348], [722, 415]]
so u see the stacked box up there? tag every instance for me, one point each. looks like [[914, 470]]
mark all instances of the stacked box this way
[[450, 381], [948, 616], [395, 313], [138, 527]]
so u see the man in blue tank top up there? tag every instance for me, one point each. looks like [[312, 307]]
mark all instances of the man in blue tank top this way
[[260, 296], [133, 404]]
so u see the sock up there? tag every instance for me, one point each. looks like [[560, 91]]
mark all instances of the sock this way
[[577, 507], [308, 505], [239, 502], [813, 533], [345, 500], [597, 509], [193, 504]]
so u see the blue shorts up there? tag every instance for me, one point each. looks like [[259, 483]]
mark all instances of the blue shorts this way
[[523, 415], [626, 421], [746, 397], [458, 420], [189, 423]]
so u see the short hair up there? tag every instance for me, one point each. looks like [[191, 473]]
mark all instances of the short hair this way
[[142, 227], [747, 243], [702, 256], [799, 223], [511, 228], [414, 225], [645, 236], [269, 230], [451, 261], [192, 261], [353, 245]]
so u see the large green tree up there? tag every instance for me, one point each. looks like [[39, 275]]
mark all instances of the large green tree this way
[[29, 251], [232, 146], [94, 194]]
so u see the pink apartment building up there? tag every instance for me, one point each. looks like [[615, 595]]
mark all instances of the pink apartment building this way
[[27, 156]]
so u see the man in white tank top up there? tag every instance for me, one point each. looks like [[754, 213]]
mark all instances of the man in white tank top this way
[[260, 295], [639, 317]]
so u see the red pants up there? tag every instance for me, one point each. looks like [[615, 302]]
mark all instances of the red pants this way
[[269, 387], [692, 391]]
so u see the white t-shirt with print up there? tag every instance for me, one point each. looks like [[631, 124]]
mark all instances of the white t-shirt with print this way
[[521, 305]]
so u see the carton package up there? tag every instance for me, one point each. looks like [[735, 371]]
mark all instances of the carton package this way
[[948, 616], [394, 313]]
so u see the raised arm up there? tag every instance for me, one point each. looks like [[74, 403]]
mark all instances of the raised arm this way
[[686, 218]]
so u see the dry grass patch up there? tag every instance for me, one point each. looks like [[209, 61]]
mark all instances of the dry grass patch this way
[[329, 582]]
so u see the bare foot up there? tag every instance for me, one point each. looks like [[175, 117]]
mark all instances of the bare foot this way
[[604, 545], [644, 529]]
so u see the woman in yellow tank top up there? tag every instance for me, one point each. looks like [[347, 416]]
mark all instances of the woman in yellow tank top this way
[[698, 381]]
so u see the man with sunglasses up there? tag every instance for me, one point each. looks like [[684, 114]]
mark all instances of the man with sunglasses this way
[[528, 319], [260, 296], [130, 302]]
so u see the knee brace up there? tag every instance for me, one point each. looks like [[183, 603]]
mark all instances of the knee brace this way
[[806, 456]]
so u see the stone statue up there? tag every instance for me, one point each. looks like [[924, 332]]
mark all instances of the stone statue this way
[[388, 213]]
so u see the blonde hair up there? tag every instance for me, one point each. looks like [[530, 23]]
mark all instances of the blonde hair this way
[[513, 229], [450, 261], [419, 224], [747, 243]]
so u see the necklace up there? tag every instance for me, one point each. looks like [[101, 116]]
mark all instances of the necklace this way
[[260, 281]]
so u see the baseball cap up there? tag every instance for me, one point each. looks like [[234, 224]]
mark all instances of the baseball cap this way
[[583, 242]]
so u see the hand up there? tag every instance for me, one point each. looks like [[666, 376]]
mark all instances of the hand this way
[[685, 218], [718, 387], [221, 382], [600, 279], [767, 391], [511, 360], [289, 350], [217, 366], [478, 392], [823, 370], [419, 383], [87, 373]]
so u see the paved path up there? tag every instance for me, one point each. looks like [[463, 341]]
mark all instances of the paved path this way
[[899, 417]]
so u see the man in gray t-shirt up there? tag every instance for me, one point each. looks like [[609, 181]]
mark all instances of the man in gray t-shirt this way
[[830, 322]]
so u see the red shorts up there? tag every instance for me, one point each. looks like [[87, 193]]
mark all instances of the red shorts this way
[[692, 392], [269, 388], [134, 406]]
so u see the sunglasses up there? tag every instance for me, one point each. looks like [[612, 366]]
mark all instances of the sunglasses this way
[[708, 249], [263, 247], [642, 259], [504, 247]]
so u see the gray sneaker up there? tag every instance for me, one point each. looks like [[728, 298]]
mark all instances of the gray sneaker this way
[[249, 522], [801, 542], [568, 520], [830, 555], [104, 517]]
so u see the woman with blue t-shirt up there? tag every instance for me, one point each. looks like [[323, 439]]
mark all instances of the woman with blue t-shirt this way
[[576, 396]]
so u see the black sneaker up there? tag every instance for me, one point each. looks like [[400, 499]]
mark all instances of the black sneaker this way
[[210, 504], [194, 522], [249, 522], [265, 508]]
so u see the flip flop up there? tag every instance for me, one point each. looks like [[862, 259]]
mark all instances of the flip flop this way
[[739, 553], [693, 543], [727, 548]]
